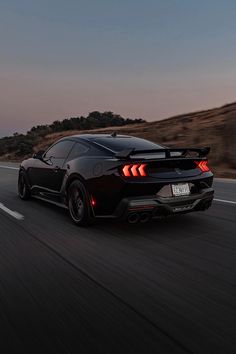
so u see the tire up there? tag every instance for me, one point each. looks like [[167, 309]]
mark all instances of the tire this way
[[78, 203], [23, 188]]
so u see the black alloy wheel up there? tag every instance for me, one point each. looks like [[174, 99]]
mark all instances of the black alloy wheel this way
[[23, 188], [78, 202]]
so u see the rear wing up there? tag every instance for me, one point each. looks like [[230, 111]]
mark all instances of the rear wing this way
[[126, 154]]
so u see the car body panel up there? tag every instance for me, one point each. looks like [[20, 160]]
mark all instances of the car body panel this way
[[100, 171]]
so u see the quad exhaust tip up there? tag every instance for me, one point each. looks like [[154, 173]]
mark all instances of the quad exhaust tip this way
[[144, 217], [133, 218]]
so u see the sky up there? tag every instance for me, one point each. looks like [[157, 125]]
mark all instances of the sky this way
[[146, 59]]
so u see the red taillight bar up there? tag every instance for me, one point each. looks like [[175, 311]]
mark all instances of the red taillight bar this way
[[126, 170], [142, 169], [134, 170], [203, 165]]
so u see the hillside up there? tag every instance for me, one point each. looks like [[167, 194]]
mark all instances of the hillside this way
[[215, 127]]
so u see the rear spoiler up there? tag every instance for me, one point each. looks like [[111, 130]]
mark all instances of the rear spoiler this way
[[125, 154]]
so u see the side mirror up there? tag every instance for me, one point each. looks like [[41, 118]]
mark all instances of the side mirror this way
[[38, 155]]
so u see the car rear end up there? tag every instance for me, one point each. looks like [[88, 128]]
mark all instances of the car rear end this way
[[165, 186], [151, 183]]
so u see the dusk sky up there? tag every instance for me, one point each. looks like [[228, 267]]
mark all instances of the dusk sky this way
[[142, 59]]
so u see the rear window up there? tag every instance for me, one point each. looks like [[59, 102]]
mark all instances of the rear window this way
[[121, 143]]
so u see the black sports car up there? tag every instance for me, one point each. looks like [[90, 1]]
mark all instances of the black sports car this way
[[118, 176]]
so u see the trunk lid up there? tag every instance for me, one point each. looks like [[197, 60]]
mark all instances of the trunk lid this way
[[164, 163]]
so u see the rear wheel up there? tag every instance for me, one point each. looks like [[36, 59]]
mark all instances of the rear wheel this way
[[23, 188], [78, 203]]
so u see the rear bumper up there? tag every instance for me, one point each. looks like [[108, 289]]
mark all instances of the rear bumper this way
[[157, 206]]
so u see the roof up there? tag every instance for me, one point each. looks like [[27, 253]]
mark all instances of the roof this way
[[92, 137], [115, 143]]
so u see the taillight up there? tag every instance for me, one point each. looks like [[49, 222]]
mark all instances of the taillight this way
[[134, 170], [203, 165], [126, 170]]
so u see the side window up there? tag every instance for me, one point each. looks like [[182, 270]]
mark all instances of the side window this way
[[78, 150], [60, 150]]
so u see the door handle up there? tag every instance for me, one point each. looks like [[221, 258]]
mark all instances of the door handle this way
[[56, 169]]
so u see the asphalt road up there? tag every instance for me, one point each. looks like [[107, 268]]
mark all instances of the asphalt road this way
[[164, 287]]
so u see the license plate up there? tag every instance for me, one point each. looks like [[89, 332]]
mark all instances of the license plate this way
[[180, 189]]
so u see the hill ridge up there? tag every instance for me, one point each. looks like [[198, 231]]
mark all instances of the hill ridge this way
[[214, 127]]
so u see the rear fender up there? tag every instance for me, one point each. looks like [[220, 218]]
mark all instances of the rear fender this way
[[67, 182]]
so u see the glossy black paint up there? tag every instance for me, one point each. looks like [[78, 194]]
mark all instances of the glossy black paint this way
[[91, 160]]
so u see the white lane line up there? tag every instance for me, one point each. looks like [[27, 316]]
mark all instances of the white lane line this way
[[227, 180], [15, 214], [224, 201], [9, 167]]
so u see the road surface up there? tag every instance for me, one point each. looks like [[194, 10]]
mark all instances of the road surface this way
[[164, 287]]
